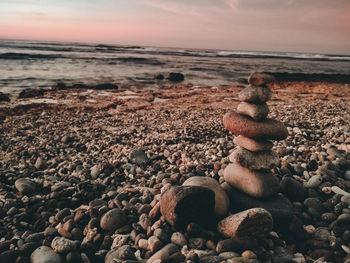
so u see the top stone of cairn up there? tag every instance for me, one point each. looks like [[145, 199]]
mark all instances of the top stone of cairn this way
[[258, 79]]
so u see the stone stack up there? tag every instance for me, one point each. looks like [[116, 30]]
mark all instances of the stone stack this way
[[251, 162]]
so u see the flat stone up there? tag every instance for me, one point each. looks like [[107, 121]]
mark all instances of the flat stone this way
[[44, 254], [251, 222], [260, 184], [25, 186], [278, 206], [255, 111], [267, 129], [258, 78], [255, 160], [113, 219], [255, 94], [251, 144], [222, 201], [181, 205]]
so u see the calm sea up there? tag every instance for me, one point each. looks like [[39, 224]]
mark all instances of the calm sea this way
[[32, 64]]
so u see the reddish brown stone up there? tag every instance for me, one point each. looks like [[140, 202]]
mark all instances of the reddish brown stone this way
[[181, 205], [252, 222], [267, 129], [252, 145], [255, 94]]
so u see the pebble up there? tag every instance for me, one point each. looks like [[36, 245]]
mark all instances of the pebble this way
[[25, 186], [294, 190], [45, 254], [164, 254], [63, 245], [314, 181], [139, 157], [113, 219], [179, 239]]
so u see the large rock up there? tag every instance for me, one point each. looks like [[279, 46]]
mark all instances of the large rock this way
[[255, 111], [255, 94], [176, 77], [254, 183], [181, 205], [4, 97], [251, 144], [222, 201], [267, 129], [255, 160], [258, 78], [44, 254], [278, 206], [113, 219], [251, 222], [25, 186]]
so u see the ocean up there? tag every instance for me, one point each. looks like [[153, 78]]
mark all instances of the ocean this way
[[34, 64]]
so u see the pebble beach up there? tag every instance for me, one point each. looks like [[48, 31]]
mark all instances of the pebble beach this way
[[82, 172]]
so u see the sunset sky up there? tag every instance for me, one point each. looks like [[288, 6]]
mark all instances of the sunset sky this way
[[270, 25]]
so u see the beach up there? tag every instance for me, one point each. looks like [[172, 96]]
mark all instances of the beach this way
[[88, 151]]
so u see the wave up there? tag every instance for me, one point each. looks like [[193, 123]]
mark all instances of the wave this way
[[26, 56], [308, 56]]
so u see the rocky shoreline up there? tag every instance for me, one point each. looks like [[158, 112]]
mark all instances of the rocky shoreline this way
[[82, 172]]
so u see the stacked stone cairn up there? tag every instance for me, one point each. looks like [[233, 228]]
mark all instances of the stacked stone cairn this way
[[250, 190], [249, 180]]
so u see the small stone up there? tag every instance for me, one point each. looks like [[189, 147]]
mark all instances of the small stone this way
[[347, 175], [254, 183], [251, 222], [123, 253], [113, 219], [138, 157], [25, 186], [40, 163], [154, 244], [314, 181], [63, 245], [181, 205], [255, 160], [251, 144], [236, 244], [178, 239], [339, 191], [255, 111], [267, 129], [255, 94], [222, 202], [259, 78], [44, 254], [95, 171], [163, 254], [345, 199], [196, 243], [248, 254]]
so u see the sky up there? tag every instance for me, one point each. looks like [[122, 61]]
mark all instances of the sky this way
[[318, 26]]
